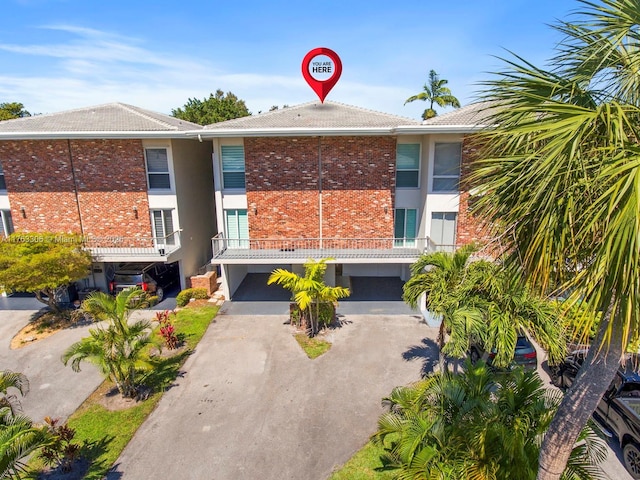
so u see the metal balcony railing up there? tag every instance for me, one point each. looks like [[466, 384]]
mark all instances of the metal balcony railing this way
[[339, 248], [143, 247]]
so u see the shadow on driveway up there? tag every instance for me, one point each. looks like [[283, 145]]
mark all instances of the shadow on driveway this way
[[427, 352]]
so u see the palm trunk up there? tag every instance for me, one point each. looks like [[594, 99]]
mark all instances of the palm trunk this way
[[580, 402], [441, 358]]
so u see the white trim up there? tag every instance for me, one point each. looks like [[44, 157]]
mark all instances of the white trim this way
[[172, 181], [75, 135]]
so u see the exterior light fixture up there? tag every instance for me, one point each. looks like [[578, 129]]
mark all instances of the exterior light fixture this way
[[135, 211], [23, 211]]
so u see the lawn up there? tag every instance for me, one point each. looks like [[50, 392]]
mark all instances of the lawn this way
[[104, 433], [364, 465]]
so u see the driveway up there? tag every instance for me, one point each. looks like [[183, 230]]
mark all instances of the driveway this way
[[55, 390], [252, 405]]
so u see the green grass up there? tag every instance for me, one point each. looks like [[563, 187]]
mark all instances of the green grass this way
[[363, 466], [105, 433], [313, 347]]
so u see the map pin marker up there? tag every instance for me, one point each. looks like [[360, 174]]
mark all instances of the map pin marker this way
[[315, 69]]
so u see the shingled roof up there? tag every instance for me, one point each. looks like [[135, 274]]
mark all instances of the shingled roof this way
[[473, 115], [328, 117], [109, 120]]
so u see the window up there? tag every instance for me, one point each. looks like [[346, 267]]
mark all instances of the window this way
[[3, 184], [407, 165], [232, 166], [446, 167], [237, 228], [405, 227], [157, 168], [443, 229], [163, 227], [6, 224]]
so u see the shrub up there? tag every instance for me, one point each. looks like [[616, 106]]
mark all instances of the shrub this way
[[186, 295], [61, 451], [167, 330]]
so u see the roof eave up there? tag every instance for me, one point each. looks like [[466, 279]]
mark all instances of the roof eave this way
[[290, 132], [422, 129], [89, 135]]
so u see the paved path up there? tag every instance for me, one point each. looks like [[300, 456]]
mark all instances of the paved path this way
[[55, 390], [252, 405]]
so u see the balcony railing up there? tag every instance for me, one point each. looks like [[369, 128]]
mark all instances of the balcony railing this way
[[401, 249], [132, 247]]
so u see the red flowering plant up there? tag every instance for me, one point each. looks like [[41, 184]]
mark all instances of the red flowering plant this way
[[167, 330]]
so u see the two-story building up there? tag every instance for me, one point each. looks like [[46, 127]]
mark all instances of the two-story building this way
[[128, 180], [370, 190]]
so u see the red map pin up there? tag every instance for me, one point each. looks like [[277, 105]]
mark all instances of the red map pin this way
[[315, 69]]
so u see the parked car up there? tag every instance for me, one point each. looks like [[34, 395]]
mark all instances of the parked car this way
[[525, 354], [153, 278], [617, 413]]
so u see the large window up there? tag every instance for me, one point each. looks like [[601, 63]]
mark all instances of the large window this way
[[3, 184], [446, 167], [232, 166], [6, 225], [407, 165], [157, 168], [237, 228], [163, 227], [443, 229], [405, 227]]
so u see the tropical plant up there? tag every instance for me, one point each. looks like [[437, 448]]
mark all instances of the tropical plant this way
[[166, 330], [18, 439], [61, 451], [479, 302], [436, 92], [15, 380], [476, 424], [559, 175], [119, 348], [310, 291]]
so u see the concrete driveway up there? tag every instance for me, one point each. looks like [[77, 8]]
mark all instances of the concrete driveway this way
[[55, 390], [252, 405]]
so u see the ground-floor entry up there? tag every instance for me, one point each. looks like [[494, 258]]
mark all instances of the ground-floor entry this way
[[369, 295]]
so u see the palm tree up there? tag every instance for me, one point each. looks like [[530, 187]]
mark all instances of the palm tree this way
[[310, 291], [119, 349], [435, 92], [479, 302], [18, 439], [16, 380], [476, 425], [444, 279], [560, 173]]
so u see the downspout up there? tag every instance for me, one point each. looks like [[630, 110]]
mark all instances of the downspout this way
[[75, 187], [320, 187]]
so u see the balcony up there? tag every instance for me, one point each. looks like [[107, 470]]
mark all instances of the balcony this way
[[343, 250], [126, 249]]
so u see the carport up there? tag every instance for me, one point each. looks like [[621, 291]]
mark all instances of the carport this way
[[369, 295]]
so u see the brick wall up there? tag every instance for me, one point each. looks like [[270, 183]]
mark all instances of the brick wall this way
[[79, 186], [283, 183], [470, 229]]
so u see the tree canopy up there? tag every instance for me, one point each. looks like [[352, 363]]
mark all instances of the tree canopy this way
[[10, 110], [217, 108], [42, 262]]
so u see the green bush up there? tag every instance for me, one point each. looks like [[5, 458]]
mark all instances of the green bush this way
[[186, 295]]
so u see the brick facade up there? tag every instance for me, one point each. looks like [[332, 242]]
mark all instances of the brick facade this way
[[469, 228], [283, 186], [81, 186]]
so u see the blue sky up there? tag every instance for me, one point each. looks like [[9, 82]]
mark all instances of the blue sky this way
[[63, 54]]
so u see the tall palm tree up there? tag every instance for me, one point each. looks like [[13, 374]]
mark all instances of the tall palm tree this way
[[478, 425], [310, 291], [560, 173], [16, 380], [118, 349], [435, 92]]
